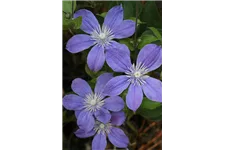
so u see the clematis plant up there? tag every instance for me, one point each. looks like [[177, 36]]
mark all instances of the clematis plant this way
[[136, 75], [114, 27], [102, 130], [99, 109], [90, 106]]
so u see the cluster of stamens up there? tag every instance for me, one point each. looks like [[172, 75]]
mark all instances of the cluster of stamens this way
[[93, 102], [102, 36], [137, 74], [102, 128]]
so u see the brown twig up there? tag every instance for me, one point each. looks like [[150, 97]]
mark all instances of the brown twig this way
[[142, 126], [144, 147], [149, 127], [156, 144]]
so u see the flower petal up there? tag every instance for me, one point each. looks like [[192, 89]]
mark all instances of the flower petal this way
[[103, 115], [101, 81], [118, 138], [114, 103], [118, 118], [114, 17], [118, 58], [79, 42], [85, 121], [134, 97], [125, 29], [89, 21], [96, 58], [99, 142], [118, 46], [73, 102], [81, 87], [116, 85], [77, 112], [153, 89], [82, 134], [151, 56]]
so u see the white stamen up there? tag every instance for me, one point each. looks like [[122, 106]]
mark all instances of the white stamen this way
[[102, 128], [102, 36], [93, 102], [137, 74]]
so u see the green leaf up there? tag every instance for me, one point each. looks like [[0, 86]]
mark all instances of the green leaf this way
[[66, 22], [77, 22], [146, 38], [128, 9], [89, 72], [156, 33], [102, 14], [150, 15], [150, 109], [128, 42], [74, 5], [92, 83], [67, 6], [138, 20]]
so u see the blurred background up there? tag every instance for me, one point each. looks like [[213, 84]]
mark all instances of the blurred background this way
[[144, 128]]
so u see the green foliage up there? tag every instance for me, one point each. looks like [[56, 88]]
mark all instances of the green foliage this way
[[156, 33], [150, 110], [130, 8], [128, 42], [146, 38], [150, 15], [68, 21]]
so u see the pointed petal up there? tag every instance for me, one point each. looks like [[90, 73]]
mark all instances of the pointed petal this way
[[96, 58], [134, 97], [89, 21], [85, 121], [153, 89], [82, 134], [118, 118], [114, 17], [114, 103], [77, 112], [81, 87], [103, 115], [116, 85], [79, 42], [73, 102], [99, 142], [118, 46], [125, 29], [101, 81], [151, 56], [118, 58], [118, 138]]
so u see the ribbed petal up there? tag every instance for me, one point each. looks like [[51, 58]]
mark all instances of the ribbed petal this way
[[85, 121], [82, 134], [77, 112], [134, 97], [81, 87], [125, 29], [118, 118], [101, 81], [114, 103], [99, 142], [103, 115], [73, 102], [118, 138], [117, 46]]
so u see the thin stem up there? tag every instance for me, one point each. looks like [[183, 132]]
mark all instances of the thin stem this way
[[135, 36]]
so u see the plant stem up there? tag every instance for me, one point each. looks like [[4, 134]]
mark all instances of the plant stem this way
[[135, 36]]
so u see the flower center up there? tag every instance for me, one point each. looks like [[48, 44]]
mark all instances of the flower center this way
[[137, 74], [102, 36], [93, 102], [102, 128]]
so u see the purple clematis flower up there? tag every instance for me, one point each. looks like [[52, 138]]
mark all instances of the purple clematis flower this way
[[90, 105], [114, 27], [102, 130], [149, 58]]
